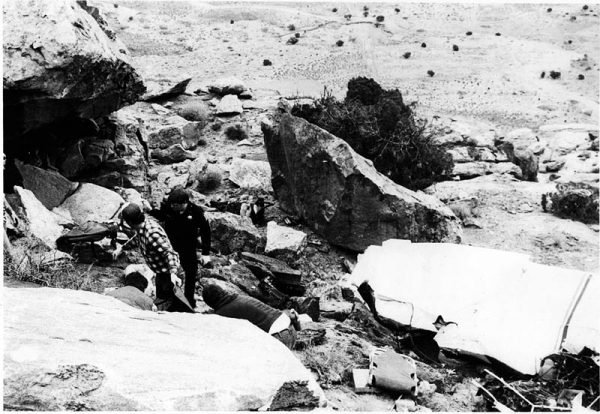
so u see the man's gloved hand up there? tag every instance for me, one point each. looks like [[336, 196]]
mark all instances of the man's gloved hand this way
[[204, 260], [175, 280], [117, 252]]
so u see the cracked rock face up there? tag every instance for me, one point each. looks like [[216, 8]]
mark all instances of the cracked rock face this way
[[340, 194], [76, 350], [59, 63]]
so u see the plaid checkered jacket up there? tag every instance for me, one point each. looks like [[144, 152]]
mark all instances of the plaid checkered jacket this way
[[155, 247]]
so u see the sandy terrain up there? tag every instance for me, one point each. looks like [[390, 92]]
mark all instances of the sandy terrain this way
[[493, 77]]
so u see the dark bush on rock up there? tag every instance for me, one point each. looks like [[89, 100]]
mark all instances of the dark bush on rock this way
[[575, 201], [379, 126]]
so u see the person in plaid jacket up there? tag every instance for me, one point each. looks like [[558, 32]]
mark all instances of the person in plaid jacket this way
[[153, 243]]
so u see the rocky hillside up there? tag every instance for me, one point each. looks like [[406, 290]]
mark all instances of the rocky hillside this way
[[108, 103]]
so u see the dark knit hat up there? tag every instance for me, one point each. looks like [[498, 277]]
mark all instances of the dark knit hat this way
[[178, 196], [132, 214]]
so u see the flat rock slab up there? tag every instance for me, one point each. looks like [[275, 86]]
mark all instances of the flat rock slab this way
[[282, 239], [66, 349], [277, 267], [92, 203], [42, 223], [49, 187]]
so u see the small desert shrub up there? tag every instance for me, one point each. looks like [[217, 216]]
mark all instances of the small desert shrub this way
[[291, 27], [209, 180], [194, 111], [236, 132], [379, 126], [216, 126], [577, 202]]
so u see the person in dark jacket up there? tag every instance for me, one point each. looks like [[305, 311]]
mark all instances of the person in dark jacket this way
[[184, 222], [279, 324], [133, 292]]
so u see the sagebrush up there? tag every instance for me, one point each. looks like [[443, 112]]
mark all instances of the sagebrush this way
[[575, 201], [378, 125]]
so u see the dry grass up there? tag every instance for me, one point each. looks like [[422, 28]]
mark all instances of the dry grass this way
[[62, 275]]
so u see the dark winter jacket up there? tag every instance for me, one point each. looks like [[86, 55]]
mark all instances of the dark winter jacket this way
[[232, 305], [183, 229]]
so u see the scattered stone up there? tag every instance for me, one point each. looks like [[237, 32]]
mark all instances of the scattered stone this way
[[406, 55], [402, 405], [543, 75], [335, 310], [310, 336], [380, 18], [340, 43], [376, 210], [309, 306], [231, 22], [287, 280], [41, 223], [554, 74], [72, 366], [93, 203], [430, 73], [297, 35], [282, 240], [554, 166], [498, 34], [227, 86], [49, 187], [229, 105], [455, 48], [232, 233], [524, 158], [267, 62], [334, 10], [164, 89], [423, 44], [173, 154], [291, 27], [292, 41], [585, 7], [580, 77], [469, 33], [549, 9], [51, 48], [251, 174], [397, 10]]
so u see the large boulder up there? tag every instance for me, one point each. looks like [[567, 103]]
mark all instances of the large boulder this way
[[49, 187], [93, 203], [233, 233], [58, 63], [76, 350], [340, 194], [41, 223], [129, 165]]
